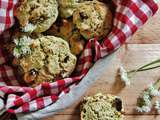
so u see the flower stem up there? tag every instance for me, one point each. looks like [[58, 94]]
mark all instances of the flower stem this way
[[149, 66], [157, 84]]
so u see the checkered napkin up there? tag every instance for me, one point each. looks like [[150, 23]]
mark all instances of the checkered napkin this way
[[129, 16]]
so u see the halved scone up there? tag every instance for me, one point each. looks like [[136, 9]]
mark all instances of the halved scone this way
[[101, 107]]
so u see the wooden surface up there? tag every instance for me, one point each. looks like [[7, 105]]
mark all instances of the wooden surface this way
[[143, 48]]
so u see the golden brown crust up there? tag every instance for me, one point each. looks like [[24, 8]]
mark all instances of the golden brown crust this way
[[93, 18], [62, 28], [76, 43], [36, 15], [66, 30]]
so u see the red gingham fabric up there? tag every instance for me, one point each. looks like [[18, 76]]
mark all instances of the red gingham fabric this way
[[129, 16], [6, 14]]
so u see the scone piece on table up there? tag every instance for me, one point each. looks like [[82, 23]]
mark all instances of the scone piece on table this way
[[36, 15], [44, 59], [93, 18], [101, 107]]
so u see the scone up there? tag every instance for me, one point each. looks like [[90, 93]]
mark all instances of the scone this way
[[77, 43], [64, 28], [36, 15], [44, 59], [93, 18], [67, 7], [101, 107], [10, 45]]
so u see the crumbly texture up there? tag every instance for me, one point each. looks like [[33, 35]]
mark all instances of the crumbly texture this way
[[50, 59], [36, 15], [67, 7], [93, 18], [101, 107]]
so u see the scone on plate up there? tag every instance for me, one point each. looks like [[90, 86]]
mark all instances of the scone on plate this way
[[101, 107], [93, 18], [67, 7], [36, 15], [44, 59]]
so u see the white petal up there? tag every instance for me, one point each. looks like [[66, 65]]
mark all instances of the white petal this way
[[146, 108], [124, 76], [29, 28]]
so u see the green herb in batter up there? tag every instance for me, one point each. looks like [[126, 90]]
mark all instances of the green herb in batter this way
[[22, 46]]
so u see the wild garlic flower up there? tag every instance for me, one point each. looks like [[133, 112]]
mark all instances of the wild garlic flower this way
[[153, 91], [143, 109], [22, 46], [157, 106], [145, 100], [124, 76], [29, 28], [144, 103]]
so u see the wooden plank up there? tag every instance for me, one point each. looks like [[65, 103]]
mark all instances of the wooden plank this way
[[131, 56], [128, 117], [149, 33]]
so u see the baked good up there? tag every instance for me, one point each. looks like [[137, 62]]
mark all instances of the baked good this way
[[44, 59], [77, 43], [64, 28], [67, 7], [9, 45], [101, 107], [36, 15], [93, 18]]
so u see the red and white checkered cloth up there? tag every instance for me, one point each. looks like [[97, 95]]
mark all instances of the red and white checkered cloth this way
[[129, 16]]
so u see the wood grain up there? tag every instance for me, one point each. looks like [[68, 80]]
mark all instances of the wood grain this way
[[128, 117], [143, 47]]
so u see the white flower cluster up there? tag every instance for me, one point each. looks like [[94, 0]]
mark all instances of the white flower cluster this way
[[144, 104], [145, 101], [153, 91], [29, 28], [124, 76], [157, 106], [143, 109], [22, 46]]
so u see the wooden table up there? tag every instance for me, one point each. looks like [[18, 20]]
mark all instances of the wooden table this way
[[143, 48]]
